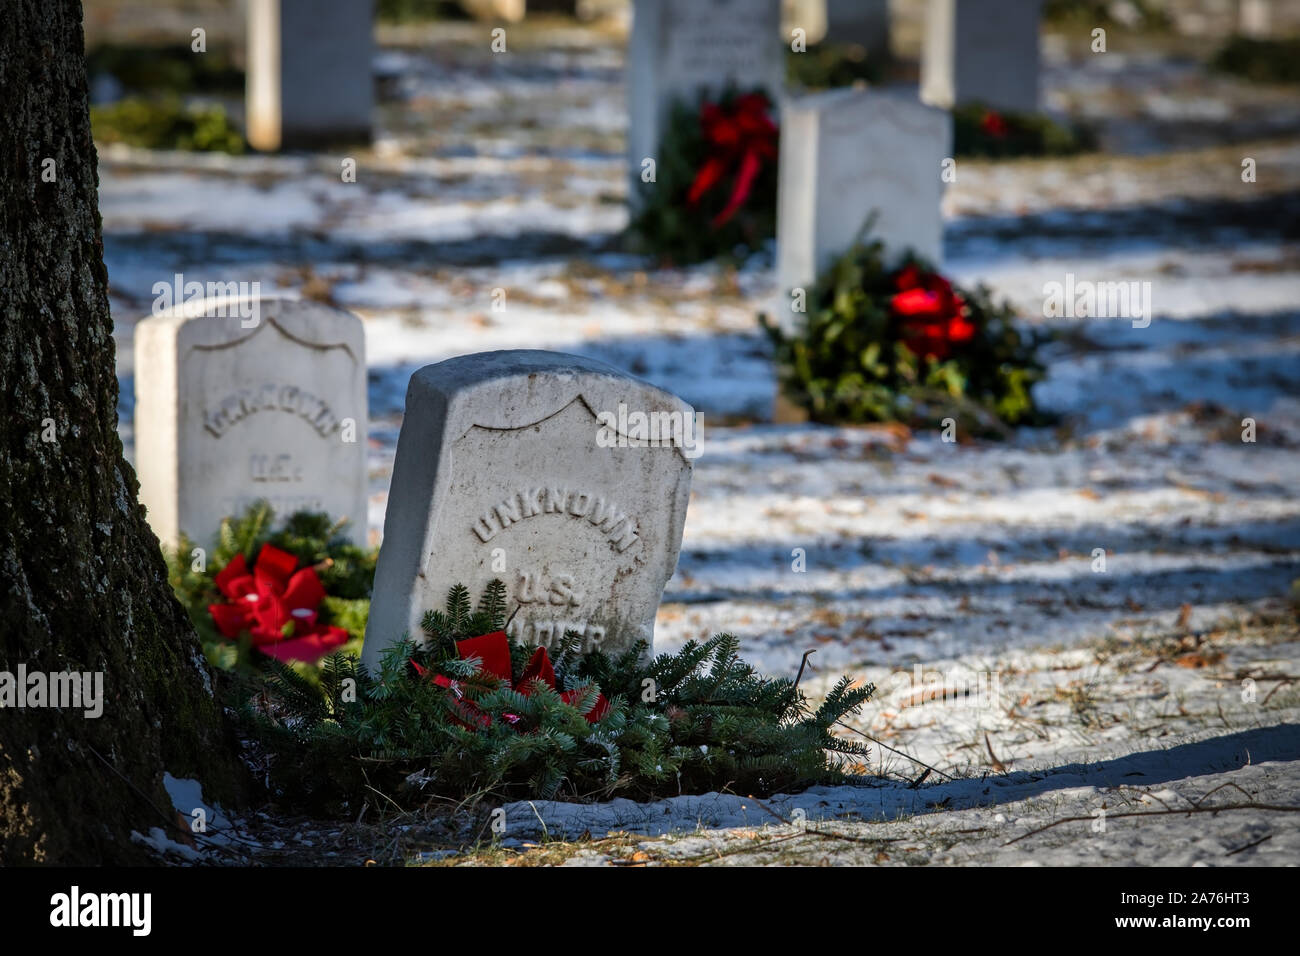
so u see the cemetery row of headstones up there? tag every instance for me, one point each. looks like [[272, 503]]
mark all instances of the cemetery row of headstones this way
[[845, 154], [505, 467], [974, 50], [563, 477]]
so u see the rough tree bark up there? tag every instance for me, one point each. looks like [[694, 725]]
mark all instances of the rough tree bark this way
[[83, 585]]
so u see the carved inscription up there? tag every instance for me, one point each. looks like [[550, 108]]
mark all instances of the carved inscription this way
[[558, 591], [237, 406], [273, 468], [608, 518], [550, 631]]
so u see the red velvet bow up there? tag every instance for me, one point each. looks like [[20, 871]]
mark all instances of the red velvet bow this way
[[276, 605], [934, 316], [494, 651], [741, 137]]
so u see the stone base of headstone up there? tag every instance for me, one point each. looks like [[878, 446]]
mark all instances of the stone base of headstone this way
[[522, 466]]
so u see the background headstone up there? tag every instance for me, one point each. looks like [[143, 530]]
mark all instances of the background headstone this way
[[510, 11], [500, 473], [225, 415], [309, 78], [845, 153], [682, 48], [1253, 18], [806, 15], [983, 51]]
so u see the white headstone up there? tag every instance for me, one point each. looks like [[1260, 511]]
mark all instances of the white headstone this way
[[504, 470], [227, 414], [309, 79], [982, 51], [845, 154], [806, 15], [682, 49], [1253, 18], [510, 11]]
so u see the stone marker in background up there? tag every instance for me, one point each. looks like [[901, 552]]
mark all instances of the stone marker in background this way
[[503, 470], [844, 154], [510, 11], [225, 414], [682, 48], [309, 79], [981, 51], [806, 15], [1253, 19]]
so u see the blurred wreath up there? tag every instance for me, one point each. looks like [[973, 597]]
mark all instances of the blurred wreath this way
[[714, 187], [898, 342]]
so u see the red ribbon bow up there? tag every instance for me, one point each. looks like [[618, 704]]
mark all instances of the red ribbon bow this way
[[494, 651], [934, 316], [276, 605], [994, 125], [740, 137]]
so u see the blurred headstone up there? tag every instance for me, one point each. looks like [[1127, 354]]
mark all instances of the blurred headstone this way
[[806, 15], [983, 51], [1253, 18], [246, 399], [682, 49], [309, 80], [848, 153], [509, 11]]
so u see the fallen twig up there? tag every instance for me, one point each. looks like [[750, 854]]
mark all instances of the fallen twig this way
[[920, 763], [1161, 813], [1249, 845]]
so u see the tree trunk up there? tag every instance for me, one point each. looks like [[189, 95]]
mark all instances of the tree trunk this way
[[83, 585]]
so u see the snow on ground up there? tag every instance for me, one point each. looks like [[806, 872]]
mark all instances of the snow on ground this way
[[506, 173]]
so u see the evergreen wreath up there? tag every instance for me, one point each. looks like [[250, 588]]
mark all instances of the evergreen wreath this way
[[897, 342], [715, 184], [979, 131], [344, 570], [691, 722]]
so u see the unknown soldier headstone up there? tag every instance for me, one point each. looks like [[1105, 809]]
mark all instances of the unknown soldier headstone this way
[[563, 477], [682, 49], [982, 51], [238, 400], [309, 79], [848, 153]]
